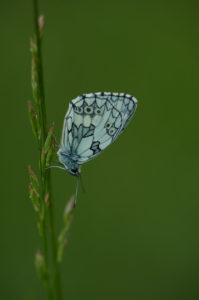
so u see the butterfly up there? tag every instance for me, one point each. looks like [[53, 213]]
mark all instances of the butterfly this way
[[92, 123]]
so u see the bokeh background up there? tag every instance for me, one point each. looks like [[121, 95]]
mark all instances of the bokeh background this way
[[136, 230]]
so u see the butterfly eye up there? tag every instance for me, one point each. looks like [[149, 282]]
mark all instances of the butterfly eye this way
[[73, 171], [112, 131], [98, 111], [79, 110], [108, 125], [88, 110]]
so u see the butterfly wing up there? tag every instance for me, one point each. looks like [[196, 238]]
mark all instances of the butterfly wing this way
[[93, 122]]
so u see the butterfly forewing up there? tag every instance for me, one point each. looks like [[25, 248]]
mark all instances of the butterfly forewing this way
[[93, 122]]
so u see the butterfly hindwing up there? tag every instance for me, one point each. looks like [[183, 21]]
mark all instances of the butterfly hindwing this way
[[93, 122]]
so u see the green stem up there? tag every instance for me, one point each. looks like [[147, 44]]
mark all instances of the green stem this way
[[45, 176], [57, 278], [40, 74], [41, 108]]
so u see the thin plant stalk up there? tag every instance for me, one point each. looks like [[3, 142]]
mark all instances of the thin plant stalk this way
[[40, 190], [46, 188]]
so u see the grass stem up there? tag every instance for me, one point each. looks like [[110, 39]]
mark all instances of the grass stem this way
[[46, 187]]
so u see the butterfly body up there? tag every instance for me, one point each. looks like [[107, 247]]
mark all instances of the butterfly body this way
[[69, 162], [92, 122]]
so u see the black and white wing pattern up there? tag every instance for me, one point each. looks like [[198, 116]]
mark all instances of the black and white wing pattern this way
[[93, 122]]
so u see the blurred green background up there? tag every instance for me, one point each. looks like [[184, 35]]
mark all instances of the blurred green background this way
[[136, 230]]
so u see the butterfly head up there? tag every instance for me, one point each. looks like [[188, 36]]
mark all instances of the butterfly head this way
[[74, 172], [70, 164]]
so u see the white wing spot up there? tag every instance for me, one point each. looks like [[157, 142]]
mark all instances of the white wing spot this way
[[78, 103], [69, 123], [96, 120], [130, 105], [89, 95], [85, 144], [115, 112], [89, 101], [114, 98], [118, 122], [119, 105], [78, 120], [135, 100], [70, 138], [87, 121], [109, 106], [100, 102], [126, 101]]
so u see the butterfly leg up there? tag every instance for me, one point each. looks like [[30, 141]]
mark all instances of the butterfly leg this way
[[58, 167]]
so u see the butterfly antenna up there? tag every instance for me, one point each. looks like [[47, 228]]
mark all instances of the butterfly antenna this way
[[77, 188], [82, 184]]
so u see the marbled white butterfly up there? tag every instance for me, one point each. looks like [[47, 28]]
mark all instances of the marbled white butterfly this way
[[92, 122]]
